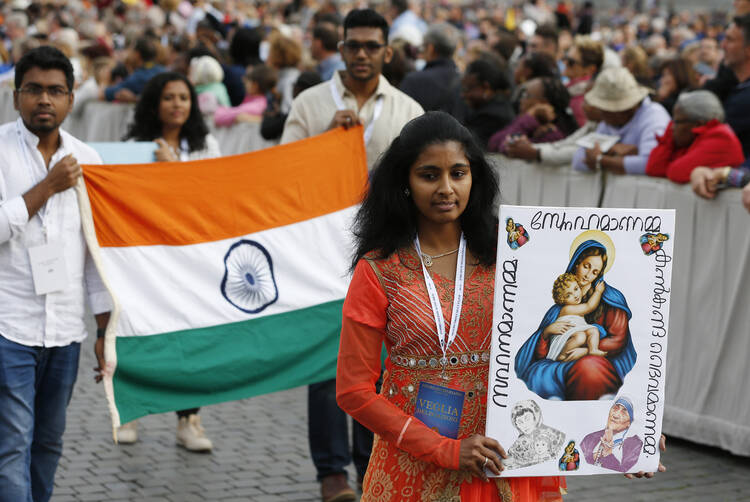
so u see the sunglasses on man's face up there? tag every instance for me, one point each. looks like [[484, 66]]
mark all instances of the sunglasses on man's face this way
[[570, 61], [354, 46]]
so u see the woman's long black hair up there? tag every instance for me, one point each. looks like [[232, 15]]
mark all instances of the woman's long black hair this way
[[146, 124], [387, 218], [559, 97]]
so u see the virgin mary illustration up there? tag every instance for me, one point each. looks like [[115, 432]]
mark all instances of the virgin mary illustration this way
[[577, 375]]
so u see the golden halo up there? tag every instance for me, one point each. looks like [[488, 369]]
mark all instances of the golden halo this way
[[601, 238]]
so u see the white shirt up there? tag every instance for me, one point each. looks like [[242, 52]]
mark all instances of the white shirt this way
[[55, 319], [210, 151], [313, 110]]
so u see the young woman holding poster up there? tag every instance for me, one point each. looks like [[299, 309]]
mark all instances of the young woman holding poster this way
[[423, 284], [167, 113]]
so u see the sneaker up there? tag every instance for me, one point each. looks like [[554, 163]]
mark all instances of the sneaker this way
[[190, 434], [127, 433]]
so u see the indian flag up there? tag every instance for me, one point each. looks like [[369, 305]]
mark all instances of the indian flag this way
[[227, 275]]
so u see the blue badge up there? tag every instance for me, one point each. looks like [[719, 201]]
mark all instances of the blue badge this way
[[439, 408]]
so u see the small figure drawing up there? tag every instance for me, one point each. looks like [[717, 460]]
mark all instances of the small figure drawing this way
[[571, 459], [567, 293], [651, 243], [517, 235], [536, 442], [611, 447]]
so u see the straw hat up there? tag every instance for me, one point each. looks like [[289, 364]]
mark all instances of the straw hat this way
[[616, 90]]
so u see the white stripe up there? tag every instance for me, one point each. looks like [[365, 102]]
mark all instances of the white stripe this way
[[172, 288]]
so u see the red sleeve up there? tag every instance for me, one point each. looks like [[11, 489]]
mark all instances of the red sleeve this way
[[616, 323], [662, 154], [362, 336], [542, 348], [716, 147]]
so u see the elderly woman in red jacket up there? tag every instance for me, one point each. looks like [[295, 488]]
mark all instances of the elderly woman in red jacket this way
[[695, 137]]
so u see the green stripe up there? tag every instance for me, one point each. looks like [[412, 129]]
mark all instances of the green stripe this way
[[187, 369]]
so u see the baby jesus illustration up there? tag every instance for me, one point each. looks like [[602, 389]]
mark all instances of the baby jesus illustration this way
[[567, 292]]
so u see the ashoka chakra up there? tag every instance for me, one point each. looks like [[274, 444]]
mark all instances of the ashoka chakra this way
[[249, 283]]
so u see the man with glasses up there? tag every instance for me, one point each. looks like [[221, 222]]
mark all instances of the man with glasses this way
[[45, 272], [357, 95]]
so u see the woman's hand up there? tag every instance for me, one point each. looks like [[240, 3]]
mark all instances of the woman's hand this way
[[479, 452], [165, 153], [649, 475], [599, 287]]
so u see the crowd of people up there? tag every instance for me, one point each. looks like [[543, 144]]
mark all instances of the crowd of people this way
[[436, 86], [520, 75]]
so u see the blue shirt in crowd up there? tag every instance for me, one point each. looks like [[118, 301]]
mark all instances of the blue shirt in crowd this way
[[135, 82], [330, 65], [649, 120]]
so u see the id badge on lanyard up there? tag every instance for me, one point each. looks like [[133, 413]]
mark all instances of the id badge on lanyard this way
[[437, 406], [48, 268]]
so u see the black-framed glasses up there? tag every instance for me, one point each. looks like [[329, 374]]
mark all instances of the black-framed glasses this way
[[569, 61], [34, 90], [354, 46]]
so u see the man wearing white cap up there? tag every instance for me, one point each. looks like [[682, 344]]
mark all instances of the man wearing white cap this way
[[627, 112]]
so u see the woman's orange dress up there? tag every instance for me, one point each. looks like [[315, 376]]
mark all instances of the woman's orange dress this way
[[387, 303]]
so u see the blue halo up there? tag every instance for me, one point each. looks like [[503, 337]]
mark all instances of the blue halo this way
[[249, 283]]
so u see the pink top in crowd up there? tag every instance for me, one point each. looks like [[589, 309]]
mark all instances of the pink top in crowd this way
[[252, 105]]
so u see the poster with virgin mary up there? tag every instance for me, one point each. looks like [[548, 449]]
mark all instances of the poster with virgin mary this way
[[580, 320], [575, 374]]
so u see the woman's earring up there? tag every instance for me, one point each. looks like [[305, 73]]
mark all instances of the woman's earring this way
[[407, 192]]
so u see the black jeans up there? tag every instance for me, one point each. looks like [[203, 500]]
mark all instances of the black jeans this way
[[327, 432]]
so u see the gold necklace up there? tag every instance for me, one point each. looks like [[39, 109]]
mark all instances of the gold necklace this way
[[428, 259]]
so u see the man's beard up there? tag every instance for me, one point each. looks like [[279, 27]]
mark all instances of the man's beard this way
[[42, 129]]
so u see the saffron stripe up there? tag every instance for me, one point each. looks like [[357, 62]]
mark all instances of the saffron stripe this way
[[182, 203]]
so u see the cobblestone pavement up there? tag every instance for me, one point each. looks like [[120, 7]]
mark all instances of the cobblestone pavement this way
[[261, 455]]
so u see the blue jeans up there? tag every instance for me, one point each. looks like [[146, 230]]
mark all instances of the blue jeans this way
[[327, 432], [36, 384]]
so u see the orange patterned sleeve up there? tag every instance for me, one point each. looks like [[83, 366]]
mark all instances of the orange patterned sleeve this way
[[362, 337]]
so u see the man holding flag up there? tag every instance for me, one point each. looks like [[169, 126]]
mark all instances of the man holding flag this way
[[45, 271], [358, 95]]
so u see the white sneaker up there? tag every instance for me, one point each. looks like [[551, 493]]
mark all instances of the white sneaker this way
[[127, 433], [190, 434]]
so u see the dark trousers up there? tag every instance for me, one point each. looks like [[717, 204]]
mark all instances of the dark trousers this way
[[327, 431]]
